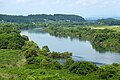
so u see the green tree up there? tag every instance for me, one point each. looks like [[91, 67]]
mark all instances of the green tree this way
[[30, 49], [46, 48], [82, 67], [68, 63]]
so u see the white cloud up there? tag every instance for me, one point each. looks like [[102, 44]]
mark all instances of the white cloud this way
[[103, 3], [32, 1], [86, 2], [20, 1]]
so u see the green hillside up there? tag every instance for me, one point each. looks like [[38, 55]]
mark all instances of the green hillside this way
[[41, 18]]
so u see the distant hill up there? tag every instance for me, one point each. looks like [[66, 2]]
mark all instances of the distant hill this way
[[109, 21], [41, 18]]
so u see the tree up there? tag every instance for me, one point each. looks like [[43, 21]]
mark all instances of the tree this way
[[68, 63], [30, 49], [83, 67], [45, 48], [106, 72], [25, 37]]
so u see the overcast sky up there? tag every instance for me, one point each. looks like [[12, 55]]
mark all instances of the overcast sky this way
[[85, 8]]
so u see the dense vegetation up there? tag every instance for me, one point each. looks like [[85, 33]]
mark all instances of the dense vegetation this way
[[21, 59], [109, 21], [41, 18], [10, 37], [44, 20]]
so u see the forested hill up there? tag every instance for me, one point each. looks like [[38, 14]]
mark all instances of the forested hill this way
[[109, 21], [40, 18]]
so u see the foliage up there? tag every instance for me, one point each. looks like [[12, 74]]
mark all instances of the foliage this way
[[106, 72], [10, 37], [14, 66], [30, 49], [10, 58], [25, 37], [21, 59], [37, 74], [109, 21], [45, 48], [59, 55], [83, 68], [41, 18], [35, 59], [68, 63], [42, 62]]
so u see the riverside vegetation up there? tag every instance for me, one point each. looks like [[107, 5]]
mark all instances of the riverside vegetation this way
[[101, 38], [21, 59]]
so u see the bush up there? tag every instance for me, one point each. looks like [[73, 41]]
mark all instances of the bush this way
[[43, 62], [30, 49], [46, 48], [106, 72], [59, 55], [25, 37], [83, 67], [68, 63]]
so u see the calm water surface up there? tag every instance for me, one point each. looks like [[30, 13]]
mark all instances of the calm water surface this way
[[82, 50]]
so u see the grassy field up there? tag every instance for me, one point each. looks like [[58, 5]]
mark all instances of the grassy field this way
[[116, 28], [9, 57], [37, 74]]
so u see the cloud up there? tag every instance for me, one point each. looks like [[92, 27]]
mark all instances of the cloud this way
[[20, 1], [102, 3], [34, 1], [2, 4], [86, 2], [24, 1]]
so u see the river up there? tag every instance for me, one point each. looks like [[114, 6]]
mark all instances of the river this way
[[82, 50]]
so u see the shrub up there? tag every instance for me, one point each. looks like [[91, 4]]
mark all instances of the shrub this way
[[68, 63], [30, 49], [106, 72], [43, 62], [82, 67]]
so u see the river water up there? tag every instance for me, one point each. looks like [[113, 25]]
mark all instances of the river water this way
[[82, 50]]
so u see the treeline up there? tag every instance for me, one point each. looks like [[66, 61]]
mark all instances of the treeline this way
[[69, 20], [97, 23], [109, 21], [44, 20], [41, 18], [101, 39]]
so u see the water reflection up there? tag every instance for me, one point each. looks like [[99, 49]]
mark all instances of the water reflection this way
[[102, 49], [97, 47], [81, 49]]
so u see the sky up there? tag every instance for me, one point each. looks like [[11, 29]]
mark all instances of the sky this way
[[85, 8]]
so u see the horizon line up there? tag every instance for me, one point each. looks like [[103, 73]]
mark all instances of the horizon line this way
[[94, 17]]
